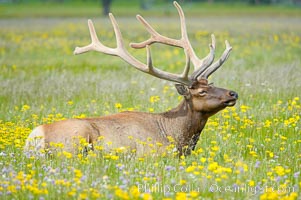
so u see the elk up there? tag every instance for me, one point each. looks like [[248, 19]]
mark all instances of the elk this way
[[184, 123]]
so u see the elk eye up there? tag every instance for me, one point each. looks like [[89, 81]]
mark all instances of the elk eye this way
[[202, 93]]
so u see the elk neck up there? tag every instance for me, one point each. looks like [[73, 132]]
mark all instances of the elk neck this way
[[183, 124]]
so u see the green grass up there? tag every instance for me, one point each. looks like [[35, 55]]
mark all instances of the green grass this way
[[256, 143], [126, 8]]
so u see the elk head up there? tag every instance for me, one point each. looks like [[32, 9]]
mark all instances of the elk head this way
[[206, 98], [193, 86]]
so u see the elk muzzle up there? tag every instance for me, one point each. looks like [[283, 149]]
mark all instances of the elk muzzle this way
[[233, 96]]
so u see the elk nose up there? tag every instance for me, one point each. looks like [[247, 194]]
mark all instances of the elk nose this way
[[233, 94]]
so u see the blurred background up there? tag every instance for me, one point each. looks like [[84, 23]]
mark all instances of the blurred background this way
[[76, 8], [38, 68]]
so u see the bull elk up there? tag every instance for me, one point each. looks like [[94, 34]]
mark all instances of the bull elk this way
[[183, 123]]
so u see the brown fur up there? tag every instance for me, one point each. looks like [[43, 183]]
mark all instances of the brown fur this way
[[127, 129]]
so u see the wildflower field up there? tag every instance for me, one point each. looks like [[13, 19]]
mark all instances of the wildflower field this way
[[249, 151]]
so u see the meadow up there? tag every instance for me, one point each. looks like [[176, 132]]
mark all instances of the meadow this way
[[249, 151]]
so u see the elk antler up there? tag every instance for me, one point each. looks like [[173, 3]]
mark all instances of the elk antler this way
[[202, 67]]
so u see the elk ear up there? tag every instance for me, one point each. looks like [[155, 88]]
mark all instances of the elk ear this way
[[183, 90]]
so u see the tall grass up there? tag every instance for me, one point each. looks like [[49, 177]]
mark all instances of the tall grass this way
[[251, 151]]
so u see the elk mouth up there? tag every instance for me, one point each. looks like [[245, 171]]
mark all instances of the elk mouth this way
[[230, 102]]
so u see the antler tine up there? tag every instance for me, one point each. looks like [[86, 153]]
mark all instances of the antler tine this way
[[155, 37], [207, 61], [182, 20], [200, 65], [187, 67], [184, 40], [95, 45], [118, 35], [93, 35], [218, 63], [149, 60], [94, 40]]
